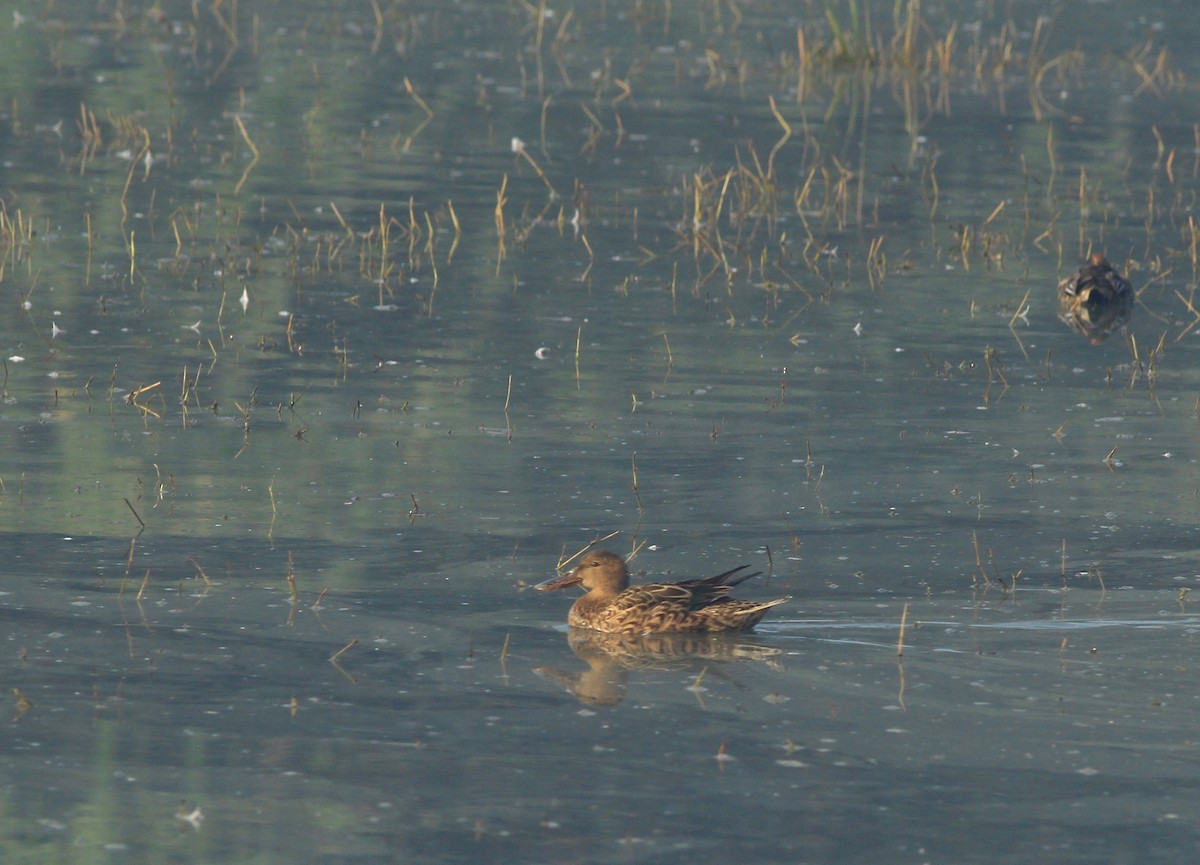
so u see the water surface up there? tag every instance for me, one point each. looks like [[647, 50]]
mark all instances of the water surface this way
[[765, 285]]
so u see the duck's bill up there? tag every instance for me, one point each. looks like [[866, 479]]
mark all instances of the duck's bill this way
[[558, 582]]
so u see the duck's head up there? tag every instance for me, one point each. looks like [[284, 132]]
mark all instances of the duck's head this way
[[599, 569]]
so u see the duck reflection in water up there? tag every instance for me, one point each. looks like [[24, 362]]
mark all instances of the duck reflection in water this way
[[612, 657], [1095, 300]]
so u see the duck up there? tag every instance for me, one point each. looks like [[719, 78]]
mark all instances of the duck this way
[[1096, 300], [612, 606], [1096, 283]]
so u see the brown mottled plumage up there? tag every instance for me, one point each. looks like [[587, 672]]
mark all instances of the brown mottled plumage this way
[[1095, 300], [614, 607], [1095, 282]]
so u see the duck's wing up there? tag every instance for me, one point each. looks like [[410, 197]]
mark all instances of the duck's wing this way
[[645, 609], [1120, 285], [653, 607], [712, 590], [685, 595], [728, 579], [1100, 278], [1075, 283], [655, 595]]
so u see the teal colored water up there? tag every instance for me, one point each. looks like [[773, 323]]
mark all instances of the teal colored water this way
[[330, 328]]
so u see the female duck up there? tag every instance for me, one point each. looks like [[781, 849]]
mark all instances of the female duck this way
[[1097, 282], [614, 607]]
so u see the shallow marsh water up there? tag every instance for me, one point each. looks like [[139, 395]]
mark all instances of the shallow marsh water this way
[[839, 362]]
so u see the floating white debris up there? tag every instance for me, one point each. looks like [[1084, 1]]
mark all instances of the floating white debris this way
[[245, 301], [195, 817]]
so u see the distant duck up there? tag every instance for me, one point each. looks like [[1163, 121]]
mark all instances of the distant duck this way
[[1095, 300], [1095, 283], [612, 606]]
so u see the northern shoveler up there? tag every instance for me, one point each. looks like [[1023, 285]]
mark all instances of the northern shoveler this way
[[1095, 283], [1096, 300], [612, 606]]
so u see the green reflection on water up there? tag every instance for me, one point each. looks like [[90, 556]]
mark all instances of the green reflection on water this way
[[799, 269]]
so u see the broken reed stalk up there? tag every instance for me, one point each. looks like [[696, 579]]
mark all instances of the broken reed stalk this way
[[578, 343], [425, 121], [787, 134], [507, 399], [24, 704], [291, 579], [274, 510], [350, 645], [431, 233], [979, 562], [457, 232], [136, 517], [501, 228], [1022, 310], [636, 494], [237, 119], [128, 564], [518, 147], [562, 563], [200, 570], [91, 238], [903, 625]]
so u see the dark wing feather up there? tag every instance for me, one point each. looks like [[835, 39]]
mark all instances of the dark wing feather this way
[[1101, 277]]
